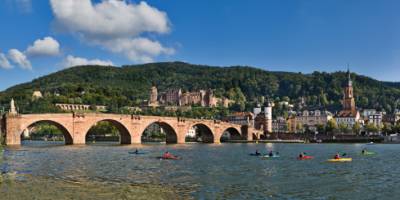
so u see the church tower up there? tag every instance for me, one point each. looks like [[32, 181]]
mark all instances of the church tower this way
[[348, 97]]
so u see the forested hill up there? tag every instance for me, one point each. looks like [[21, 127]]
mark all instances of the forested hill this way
[[129, 85]]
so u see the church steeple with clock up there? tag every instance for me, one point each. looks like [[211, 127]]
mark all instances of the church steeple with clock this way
[[348, 97]]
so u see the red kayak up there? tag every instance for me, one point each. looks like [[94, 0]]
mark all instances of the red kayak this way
[[305, 158], [169, 158]]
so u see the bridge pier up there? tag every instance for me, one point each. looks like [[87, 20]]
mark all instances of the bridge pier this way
[[136, 139], [181, 140]]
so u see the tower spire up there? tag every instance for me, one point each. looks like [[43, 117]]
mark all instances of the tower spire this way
[[349, 82]]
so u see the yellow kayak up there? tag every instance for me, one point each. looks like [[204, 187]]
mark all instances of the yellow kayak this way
[[340, 160]]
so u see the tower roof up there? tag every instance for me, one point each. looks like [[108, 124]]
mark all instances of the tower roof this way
[[349, 82]]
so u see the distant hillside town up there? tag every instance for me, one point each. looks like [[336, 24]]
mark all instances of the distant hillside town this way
[[348, 120]]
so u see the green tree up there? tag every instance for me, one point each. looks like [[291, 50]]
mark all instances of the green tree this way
[[387, 128], [331, 126], [320, 128], [371, 128], [356, 128], [343, 128], [299, 128]]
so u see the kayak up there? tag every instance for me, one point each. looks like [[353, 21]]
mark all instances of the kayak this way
[[274, 156], [168, 158], [136, 153], [368, 153], [254, 154], [340, 160], [305, 158]]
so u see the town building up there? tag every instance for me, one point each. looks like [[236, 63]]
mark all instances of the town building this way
[[279, 125], [241, 118], [367, 112], [132, 109], [263, 118], [376, 119], [172, 97], [225, 102], [153, 101], [392, 118], [79, 107], [313, 118], [175, 97], [373, 116], [291, 123], [349, 115], [37, 95]]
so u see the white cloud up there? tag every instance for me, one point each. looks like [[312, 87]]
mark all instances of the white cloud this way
[[44, 47], [111, 22], [71, 61], [4, 62], [138, 49], [19, 58]]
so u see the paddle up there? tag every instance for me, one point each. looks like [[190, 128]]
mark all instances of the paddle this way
[[344, 154]]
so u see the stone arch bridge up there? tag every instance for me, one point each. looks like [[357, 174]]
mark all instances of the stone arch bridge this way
[[131, 127]]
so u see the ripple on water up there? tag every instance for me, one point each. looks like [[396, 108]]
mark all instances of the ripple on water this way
[[205, 172]]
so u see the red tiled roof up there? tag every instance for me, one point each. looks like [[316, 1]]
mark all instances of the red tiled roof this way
[[347, 113]]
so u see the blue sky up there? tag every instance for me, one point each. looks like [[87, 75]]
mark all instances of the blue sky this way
[[40, 37]]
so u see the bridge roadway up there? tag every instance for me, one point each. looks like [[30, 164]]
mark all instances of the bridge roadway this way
[[131, 127]]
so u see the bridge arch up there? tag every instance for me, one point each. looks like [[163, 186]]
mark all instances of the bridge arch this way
[[171, 136], [66, 133], [203, 133], [231, 133], [125, 135]]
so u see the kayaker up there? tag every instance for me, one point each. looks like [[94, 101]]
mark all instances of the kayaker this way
[[136, 151], [337, 156], [168, 155], [257, 153], [270, 154], [301, 155], [364, 151]]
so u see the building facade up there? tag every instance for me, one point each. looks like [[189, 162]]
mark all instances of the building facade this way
[[313, 118], [280, 125], [175, 97], [241, 118], [153, 101]]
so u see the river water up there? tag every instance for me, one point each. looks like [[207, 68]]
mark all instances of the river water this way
[[40, 170]]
